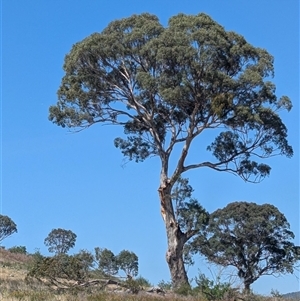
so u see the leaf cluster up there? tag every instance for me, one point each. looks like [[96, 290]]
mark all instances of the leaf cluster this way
[[191, 218], [60, 241], [166, 85], [110, 264], [212, 290], [61, 270], [7, 227], [18, 250]]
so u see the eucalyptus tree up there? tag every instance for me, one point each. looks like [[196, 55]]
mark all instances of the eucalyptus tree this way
[[107, 261], [60, 241], [166, 85], [110, 264], [255, 239], [128, 262], [7, 227]]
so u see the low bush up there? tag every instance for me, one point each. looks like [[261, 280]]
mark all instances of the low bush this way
[[210, 289], [143, 282], [165, 285], [18, 250]]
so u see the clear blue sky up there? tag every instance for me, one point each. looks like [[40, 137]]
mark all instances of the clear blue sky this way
[[51, 178]]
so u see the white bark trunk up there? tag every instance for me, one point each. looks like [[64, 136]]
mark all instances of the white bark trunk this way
[[175, 239]]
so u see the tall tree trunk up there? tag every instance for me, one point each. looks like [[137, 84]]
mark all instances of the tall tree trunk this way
[[246, 287], [175, 238]]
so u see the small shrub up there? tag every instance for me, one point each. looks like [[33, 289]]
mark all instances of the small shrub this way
[[58, 270], [143, 282], [275, 294], [166, 286], [36, 259], [184, 290], [132, 285], [37, 255], [212, 291], [18, 250]]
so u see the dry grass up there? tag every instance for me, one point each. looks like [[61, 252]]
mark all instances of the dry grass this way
[[13, 270], [8, 258]]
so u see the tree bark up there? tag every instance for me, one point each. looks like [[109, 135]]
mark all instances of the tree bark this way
[[175, 239], [247, 287]]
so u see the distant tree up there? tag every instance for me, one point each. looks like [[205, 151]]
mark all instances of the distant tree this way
[[128, 263], [255, 239], [7, 227], [18, 249], [110, 264], [86, 258], [107, 261], [60, 241], [166, 86]]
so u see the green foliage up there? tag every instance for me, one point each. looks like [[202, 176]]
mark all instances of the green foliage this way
[[165, 86], [128, 263], [184, 290], [275, 293], [86, 259], [107, 261], [7, 227], [255, 239], [191, 217], [60, 241], [142, 282], [212, 290], [59, 271], [165, 285], [110, 264], [158, 81], [36, 259], [133, 285], [61, 267], [18, 249], [37, 256]]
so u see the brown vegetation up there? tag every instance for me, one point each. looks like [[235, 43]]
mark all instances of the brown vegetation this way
[[13, 287]]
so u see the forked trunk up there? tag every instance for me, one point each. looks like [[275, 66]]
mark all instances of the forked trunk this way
[[175, 238]]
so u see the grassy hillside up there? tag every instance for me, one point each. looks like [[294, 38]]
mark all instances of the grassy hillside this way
[[13, 287], [292, 296]]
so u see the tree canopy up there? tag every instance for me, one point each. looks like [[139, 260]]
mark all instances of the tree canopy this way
[[7, 227], [111, 264], [60, 241], [107, 261], [128, 262], [167, 85], [255, 239]]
